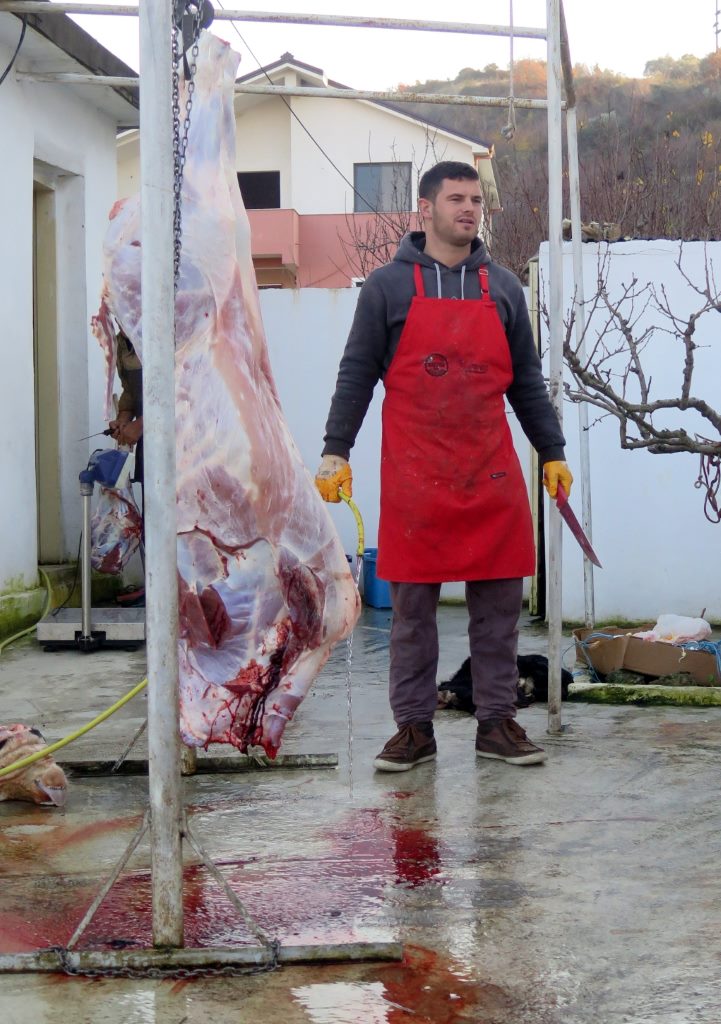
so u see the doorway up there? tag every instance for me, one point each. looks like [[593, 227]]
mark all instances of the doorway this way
[[45, 362]]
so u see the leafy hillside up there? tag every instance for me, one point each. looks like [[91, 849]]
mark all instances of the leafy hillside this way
[[649, 149]]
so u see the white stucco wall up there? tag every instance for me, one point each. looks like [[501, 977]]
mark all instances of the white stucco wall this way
[[76, 145], [659, 553], [262, 140]]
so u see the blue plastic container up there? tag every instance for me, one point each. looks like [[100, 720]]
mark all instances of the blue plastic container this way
[[376, 592]]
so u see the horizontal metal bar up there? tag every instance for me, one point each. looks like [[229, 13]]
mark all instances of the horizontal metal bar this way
[[67, 78], [390, 97], [206, 765], [287, 18], [51, 961], [70, 78]]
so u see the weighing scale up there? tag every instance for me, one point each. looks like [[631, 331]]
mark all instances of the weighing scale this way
[[87, 628]]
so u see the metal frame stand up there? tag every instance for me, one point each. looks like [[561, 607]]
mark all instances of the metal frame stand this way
[[166, 818], [266, 955]]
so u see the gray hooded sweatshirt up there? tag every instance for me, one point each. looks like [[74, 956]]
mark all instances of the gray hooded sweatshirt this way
[[380, 316]]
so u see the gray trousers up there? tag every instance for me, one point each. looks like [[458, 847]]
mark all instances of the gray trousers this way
[[494, 607]]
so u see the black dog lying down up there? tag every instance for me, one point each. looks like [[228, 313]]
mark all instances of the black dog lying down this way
[[456, 694]]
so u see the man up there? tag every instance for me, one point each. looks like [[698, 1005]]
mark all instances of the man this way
[[127, 429], [448, 332]]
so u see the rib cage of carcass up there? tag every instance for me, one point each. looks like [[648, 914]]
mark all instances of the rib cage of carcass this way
[[264, 586]]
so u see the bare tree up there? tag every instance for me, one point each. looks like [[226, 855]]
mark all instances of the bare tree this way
[[371, 239], [613, 375]]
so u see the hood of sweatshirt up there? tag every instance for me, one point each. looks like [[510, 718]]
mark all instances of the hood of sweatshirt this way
[[411, 250]]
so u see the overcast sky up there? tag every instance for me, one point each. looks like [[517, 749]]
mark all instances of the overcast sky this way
[[621, 35]]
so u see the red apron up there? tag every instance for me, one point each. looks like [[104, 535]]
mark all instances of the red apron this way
[[454, 504]]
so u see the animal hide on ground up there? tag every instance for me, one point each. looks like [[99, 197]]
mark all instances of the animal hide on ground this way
[[456, 694], [42, 782]]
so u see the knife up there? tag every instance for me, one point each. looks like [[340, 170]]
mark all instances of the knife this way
[[100, 433], [576, 529]]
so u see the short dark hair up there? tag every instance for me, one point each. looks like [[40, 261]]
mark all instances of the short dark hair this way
[[432, 181]]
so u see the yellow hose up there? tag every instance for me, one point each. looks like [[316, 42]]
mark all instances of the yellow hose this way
[[25, 761], [359, 521], [24, 632]]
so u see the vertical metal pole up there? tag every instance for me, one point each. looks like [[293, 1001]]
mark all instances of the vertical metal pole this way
[[555, 241], [158, 307], [86, 579], [579, 327], [574, 183]]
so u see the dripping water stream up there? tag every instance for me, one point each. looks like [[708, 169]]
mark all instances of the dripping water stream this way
[[348, 684]]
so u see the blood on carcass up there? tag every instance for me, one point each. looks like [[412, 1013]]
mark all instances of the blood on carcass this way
[[264, 585]]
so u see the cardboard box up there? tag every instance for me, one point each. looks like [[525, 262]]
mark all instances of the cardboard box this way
[[622, 650]]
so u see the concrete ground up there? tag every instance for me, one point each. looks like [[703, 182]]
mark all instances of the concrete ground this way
[[582, 891]]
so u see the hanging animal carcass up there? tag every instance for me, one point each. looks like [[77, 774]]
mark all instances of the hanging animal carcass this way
[[265, 589]]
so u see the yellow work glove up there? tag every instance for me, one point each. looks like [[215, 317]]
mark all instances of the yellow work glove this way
[[333, 474], [555, 473]]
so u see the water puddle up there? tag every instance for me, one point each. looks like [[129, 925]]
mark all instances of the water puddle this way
[[347, 1003], [424, 988]]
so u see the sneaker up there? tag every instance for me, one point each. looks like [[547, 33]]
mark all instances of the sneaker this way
[[505, 740], [410, 746]]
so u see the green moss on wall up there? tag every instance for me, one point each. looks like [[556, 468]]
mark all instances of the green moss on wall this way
[[22, 604], [677, 696]]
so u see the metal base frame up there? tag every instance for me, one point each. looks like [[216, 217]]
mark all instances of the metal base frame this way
[[110, 627], [205, 765], [90, 962], [156, 962]]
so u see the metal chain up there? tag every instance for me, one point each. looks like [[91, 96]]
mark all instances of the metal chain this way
[[229, 970], [180, 140]]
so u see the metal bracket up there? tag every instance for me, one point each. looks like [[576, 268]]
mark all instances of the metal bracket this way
[[190, 16]]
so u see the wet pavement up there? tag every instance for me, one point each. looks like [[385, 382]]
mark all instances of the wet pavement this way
[[582, 891]]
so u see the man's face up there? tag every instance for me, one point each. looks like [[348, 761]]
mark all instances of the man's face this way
[[454, 216]]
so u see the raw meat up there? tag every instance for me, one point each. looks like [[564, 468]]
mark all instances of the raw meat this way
[[265, 590], [115, 530]]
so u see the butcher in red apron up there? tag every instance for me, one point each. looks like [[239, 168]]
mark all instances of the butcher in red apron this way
[[448, 332]]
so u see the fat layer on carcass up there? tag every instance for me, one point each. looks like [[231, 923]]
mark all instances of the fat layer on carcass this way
[[264, 586]]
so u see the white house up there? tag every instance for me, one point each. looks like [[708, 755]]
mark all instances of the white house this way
[[58, 176], [328, 183]]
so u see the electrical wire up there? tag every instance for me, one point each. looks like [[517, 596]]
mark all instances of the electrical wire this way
[[7, 70], [70, 593]]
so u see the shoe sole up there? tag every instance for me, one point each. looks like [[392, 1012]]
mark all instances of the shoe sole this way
[[399, 766], [537, 758]]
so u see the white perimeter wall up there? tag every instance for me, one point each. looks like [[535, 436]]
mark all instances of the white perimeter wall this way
[[659, 553], [75, 140]]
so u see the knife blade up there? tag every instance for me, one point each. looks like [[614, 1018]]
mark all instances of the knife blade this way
[[575, 527], [100, 433]]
